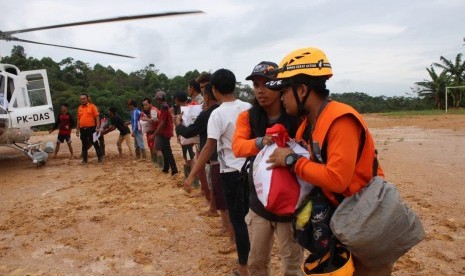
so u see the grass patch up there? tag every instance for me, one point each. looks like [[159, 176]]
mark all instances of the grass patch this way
[[459, 111]]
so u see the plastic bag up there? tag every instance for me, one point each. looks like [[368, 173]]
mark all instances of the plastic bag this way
[[376, 225], [279, 190]]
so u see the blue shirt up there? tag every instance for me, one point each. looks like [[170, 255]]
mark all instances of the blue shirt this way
[[135, 116]]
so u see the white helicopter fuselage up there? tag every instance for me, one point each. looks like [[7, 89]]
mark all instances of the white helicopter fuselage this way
[[25, 102]]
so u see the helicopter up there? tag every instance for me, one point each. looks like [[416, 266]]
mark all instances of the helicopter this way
[[25, 99]]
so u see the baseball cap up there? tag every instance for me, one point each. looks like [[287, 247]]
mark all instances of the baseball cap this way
[[263, 69], [278, 84]]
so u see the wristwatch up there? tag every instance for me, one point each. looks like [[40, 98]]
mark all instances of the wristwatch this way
[[291, 159]]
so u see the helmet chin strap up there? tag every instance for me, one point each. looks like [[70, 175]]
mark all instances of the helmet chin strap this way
[[301, 111]]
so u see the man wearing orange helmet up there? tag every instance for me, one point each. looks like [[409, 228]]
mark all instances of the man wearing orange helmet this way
[[341, 147]]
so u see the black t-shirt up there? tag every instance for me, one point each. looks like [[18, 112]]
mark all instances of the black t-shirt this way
[[119, 125], [199, 127]]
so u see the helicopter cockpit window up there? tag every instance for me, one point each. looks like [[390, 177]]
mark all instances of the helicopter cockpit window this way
[[36, 90], [3, 102]]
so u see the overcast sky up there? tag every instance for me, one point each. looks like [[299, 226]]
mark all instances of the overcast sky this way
[[376, 47]]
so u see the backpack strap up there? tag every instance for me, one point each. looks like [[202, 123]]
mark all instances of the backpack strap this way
[[375, 164]]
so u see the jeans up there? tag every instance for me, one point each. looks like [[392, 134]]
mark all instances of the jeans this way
[[87, 140], [168, 158], [235, 194], [139, 140]]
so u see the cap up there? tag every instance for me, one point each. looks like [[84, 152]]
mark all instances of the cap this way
[[181, 96], [262, 69], [277, 85]]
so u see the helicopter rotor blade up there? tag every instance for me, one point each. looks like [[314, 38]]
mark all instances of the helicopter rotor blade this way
[[121, 18], [68, 47]]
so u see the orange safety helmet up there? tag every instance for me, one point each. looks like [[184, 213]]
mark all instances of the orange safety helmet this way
[[308, 61], [341, 264]]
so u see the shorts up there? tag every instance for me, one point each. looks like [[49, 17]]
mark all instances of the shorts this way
[[217, 187], [61, 139], [150, 143]]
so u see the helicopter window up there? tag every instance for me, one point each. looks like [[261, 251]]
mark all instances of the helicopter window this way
[[36, 90], [10, 88], [2, 91]]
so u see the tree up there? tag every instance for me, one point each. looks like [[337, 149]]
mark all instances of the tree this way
[[435, 88], [456, 70]]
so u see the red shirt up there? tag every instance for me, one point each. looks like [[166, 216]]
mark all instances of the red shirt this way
[[167, 118]]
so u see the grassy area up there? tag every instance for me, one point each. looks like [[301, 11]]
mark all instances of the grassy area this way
[[425, 112]]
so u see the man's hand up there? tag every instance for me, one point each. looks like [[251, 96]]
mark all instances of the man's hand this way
[[77, 132], [188, 184], [278, 158], [178, 119], [267, 140]]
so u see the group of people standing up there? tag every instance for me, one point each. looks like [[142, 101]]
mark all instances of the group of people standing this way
[[230, 130], [91, 126], [294, 95]]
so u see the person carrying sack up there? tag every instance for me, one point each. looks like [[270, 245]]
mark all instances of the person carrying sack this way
[[250, 138], [342, 149]]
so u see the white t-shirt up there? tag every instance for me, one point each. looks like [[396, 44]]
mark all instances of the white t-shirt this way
[[221, 127]]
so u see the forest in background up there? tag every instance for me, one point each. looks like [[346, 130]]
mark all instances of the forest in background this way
[[109, 87]]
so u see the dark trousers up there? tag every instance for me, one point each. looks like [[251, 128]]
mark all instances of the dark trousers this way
[[168, 158], [235, 194], [87, 140], [188, 149], [101, 141]]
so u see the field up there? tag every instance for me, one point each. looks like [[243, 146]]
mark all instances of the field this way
[[125, 217]]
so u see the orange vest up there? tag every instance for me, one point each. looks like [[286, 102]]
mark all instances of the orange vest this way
[[364, 167], [87, 114]]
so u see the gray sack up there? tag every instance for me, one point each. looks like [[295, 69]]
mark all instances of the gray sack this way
[[376, 225]]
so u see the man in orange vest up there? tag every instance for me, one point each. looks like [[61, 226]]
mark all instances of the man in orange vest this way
[[87, 122], [341, 147]]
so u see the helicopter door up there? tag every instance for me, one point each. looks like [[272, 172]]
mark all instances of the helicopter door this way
[[4, 118], [31, 103]]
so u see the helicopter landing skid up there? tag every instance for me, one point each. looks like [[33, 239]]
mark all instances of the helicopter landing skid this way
[[34, 152]]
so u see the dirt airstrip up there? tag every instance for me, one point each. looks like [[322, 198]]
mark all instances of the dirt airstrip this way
[[125, 217]]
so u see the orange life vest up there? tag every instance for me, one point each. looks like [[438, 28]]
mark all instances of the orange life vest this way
[[364, 167]]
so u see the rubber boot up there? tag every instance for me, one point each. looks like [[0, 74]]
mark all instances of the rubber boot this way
[[187, 171], [160, 161], [144, 156], [153, 157], [137, 153]]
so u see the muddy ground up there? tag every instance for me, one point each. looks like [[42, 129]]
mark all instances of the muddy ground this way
[[125, 217]]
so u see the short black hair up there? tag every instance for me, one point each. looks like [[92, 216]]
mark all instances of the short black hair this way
[[112, 109], [204, 77], [65, 105], [132, 102], [148, 100], [208, 92], [181, 96], [224, 81], [195, 85], [317, 84], [85, 94]]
